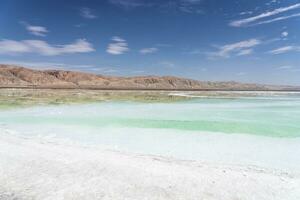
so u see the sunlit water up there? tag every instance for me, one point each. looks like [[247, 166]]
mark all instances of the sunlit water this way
[[257, 130]]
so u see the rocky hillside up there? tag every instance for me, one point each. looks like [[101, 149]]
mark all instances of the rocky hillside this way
[[15, 76]]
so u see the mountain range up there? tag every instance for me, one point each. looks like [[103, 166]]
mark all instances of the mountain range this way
[[12, 76]]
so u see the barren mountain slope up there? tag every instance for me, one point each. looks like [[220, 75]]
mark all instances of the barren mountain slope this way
[[16, 76]]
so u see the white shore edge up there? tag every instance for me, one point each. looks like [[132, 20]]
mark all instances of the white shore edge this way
[[45, 169]]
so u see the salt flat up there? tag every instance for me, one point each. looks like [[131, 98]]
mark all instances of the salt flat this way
[[48, 169]]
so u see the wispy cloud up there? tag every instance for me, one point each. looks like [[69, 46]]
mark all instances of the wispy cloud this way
[[246, 13], [35, 30], [278, 19], [240, 48], [284, 49], [87, 13], [127, 4], [118, 46], [190, 6], [148, 50], [288, 68], [187, 6], [285, 67], [191, 1], [245, 52], [43, 48], [48, 65], [247, 21], [79, 25], [272, 2], [63, 66]]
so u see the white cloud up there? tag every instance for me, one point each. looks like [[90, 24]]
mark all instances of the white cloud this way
[[285, 49], [35, 30], [239, 48], [118, 39], [43, 48], [247, 21], [246, 13], [278, 19], [118, 46], [148, 50], [80, 46], [11, 46], [284, 34], [87, 13], [245, 52]]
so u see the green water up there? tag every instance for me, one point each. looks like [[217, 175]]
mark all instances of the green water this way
[[265, 115]]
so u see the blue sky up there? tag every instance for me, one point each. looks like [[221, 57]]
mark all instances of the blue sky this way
[[219, 40]]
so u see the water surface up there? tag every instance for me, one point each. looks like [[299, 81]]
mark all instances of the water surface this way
[[253, 128]]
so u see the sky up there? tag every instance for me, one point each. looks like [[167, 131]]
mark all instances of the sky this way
[[253, 41]]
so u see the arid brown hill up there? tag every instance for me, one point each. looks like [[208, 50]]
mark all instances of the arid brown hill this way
[[16, 76]]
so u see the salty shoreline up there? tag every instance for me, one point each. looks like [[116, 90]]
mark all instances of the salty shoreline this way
[[147, 89], [47, 169], [18, 97]]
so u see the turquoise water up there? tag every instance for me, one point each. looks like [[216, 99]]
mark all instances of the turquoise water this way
[[264, 116]]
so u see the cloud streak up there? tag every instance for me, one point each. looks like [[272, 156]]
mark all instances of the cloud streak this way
[[118, 46], [148, 50], [128, 4], [190, 6], [43, 48], [245, 52], [187, 6], [285, 67], [35, 30], [278, 19], [87, 13], [247, 21], [240, 48], [284, 49]]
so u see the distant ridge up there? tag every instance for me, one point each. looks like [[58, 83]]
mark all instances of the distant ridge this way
[[20, 77]]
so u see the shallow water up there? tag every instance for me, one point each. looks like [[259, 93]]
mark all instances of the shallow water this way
[[259, 129], [274, 116]]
